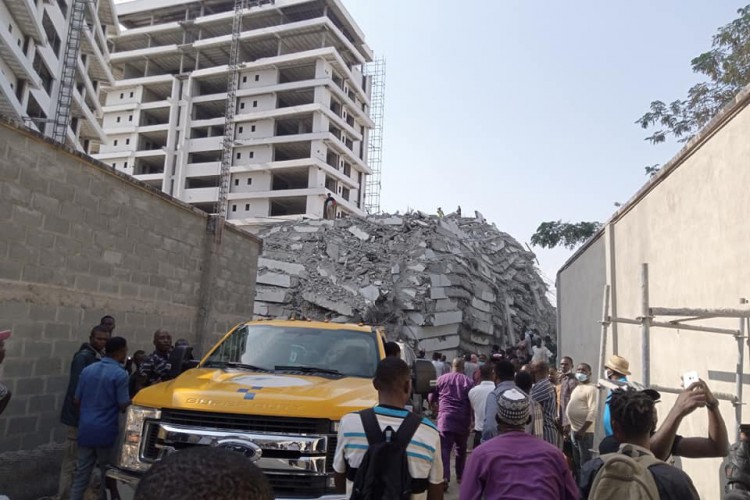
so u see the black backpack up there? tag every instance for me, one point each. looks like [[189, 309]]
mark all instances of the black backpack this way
[[737, 467], [384, 471]]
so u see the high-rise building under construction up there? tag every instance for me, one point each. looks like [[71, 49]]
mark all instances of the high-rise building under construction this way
[[289, 118], [54, 59]]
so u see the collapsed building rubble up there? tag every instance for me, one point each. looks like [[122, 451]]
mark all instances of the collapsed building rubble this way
[[447, 284]]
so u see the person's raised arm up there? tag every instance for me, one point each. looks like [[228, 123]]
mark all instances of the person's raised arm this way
[[688, 400], [717, 442]]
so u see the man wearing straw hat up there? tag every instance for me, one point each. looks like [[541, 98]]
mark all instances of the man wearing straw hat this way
[[616, 369]]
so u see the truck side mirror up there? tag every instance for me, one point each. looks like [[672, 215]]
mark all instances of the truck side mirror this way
[[424, 376]]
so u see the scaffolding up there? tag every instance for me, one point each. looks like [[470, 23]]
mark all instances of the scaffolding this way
[[68, 73], [225, 172], [375, 70], [682, 315]]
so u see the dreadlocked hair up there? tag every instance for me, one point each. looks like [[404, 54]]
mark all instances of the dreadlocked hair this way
[[633, 411]]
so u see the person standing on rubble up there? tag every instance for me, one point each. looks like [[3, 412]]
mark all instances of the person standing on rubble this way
[[440, 213], [329, 208]]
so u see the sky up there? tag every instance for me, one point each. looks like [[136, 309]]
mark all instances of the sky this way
[[524, 110]]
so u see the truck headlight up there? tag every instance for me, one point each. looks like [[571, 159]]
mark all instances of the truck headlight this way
[[132, 436]]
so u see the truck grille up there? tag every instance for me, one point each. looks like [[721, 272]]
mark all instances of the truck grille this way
[[256, 423], [292, 485], [298, 485]]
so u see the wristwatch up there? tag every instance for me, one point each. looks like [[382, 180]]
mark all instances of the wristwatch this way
[[713, 404]]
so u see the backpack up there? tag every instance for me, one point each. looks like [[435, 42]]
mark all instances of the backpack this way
[[384, 471], [737, 467], [625, 477]]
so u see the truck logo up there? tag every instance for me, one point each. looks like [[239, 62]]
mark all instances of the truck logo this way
[[241, 446]]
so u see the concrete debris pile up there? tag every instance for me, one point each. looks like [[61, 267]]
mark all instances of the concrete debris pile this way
[[452, 284]]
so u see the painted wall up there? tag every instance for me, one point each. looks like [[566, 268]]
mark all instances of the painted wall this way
[[691, 226], [580, 291]]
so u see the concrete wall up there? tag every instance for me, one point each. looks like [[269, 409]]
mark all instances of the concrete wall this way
[[690, 225], [579, 305], [79, 240]]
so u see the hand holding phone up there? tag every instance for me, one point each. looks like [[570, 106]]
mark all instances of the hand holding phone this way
[[689, 378]]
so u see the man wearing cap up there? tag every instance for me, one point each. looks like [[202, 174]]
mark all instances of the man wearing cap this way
[[616, 370], [516, 464]]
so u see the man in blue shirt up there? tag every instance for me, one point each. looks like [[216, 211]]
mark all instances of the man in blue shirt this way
[[101, 395], [88, 353], [616, 370]]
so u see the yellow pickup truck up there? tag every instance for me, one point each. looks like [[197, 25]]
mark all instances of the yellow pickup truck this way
[[272, 390]]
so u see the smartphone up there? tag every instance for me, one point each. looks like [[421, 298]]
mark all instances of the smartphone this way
[[688, 378], [4, 335]]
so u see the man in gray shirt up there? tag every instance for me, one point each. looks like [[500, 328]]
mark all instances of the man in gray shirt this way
[[504, 375]]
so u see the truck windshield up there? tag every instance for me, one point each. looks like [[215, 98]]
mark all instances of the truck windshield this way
[[282, 348]]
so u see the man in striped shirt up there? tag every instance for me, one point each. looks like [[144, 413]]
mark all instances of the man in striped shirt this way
[[544, 394], [393, 383]]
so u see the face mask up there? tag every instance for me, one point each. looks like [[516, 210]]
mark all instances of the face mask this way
[[582, 377]]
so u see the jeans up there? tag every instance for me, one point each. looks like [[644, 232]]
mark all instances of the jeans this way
[[68, 466], [447, 440], [87, 460], [581, 452]]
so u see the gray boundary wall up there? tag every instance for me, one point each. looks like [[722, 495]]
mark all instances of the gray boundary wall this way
[[690, 224], [79, 240]]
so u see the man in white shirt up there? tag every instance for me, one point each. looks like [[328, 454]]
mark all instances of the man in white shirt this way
[[478, 398], [393, 383], [581, 413], [438, 364]]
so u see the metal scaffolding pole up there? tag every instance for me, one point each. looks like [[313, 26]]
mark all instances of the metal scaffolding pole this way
[[68, 74], [646, 321], [375, 70], [645, 327]]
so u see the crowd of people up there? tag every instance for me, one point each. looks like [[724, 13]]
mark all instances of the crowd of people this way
[[103, 380], [532, 425]]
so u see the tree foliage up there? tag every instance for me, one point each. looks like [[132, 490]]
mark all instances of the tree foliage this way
[[652, 170], [727, 69], [555, 233]]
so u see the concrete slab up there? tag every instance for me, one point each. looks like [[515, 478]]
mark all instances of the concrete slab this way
[[437, 280], [441, 343], [332, 305], [390, 221], [437, 293], [370, 293], [481, 305], [287, 267], [276, 295], [274, 279], [362, 235], [306, 229], [424, 332], [444, 305], [446, 318], [416, 318]]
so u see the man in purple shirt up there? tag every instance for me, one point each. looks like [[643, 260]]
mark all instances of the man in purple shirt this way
[[516, 465], [454, 417]]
